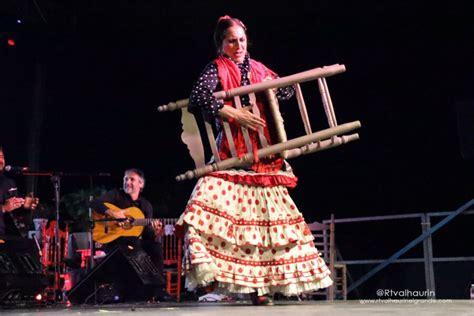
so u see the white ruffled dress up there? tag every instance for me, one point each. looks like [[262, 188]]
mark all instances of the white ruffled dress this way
[[249, 237]]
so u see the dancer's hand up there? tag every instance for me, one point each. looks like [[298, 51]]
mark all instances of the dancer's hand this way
[[243, 116]]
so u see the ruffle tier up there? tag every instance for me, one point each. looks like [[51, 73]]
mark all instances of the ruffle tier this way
[[249, 238]]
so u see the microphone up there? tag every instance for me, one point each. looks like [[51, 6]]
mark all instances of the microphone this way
[[9, 168]]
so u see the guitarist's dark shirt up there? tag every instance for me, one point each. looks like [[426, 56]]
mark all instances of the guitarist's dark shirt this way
[[7, 190], [151, 246], [123, 200]]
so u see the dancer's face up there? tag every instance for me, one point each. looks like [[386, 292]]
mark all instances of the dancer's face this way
[[234, 44]]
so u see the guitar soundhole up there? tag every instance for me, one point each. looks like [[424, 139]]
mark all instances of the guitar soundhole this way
[[128, 223]]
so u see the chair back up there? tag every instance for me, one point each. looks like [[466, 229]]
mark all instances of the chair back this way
[[325, 241], [52, 255], [321, 234], [172, 245], [172, 256]]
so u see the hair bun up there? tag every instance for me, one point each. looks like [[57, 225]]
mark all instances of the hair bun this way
[[224, 17], [233, 20]]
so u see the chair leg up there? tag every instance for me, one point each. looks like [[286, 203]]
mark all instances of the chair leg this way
[[344, 282], [178, 287], [168, 283], [331, 291]]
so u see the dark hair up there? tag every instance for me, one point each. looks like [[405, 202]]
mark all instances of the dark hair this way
[[222, 25]]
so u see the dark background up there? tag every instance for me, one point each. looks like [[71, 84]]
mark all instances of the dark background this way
[[79, 92]]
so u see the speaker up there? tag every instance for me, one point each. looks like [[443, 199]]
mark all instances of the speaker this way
[[465, 119], [21, 274], [125, 274]]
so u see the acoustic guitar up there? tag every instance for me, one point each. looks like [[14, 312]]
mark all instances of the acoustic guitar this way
[[106, 229]]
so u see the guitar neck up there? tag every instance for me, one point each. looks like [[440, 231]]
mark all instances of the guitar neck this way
[[143, 221]]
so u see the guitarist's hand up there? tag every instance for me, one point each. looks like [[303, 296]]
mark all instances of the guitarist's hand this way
[[12, 204], [157, 226], [117, 215]]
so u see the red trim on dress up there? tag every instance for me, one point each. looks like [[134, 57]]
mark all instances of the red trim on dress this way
[[259, 263], [242, 222], [258, 179]]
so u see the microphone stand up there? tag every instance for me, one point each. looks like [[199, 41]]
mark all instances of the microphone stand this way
[[56, 180], [91, 226]]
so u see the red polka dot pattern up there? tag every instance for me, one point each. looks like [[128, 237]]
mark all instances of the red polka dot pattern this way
[[250, 236]]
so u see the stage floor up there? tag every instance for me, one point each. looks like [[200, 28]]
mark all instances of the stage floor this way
[[294, 308]]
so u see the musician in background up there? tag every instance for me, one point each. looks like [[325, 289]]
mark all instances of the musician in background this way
[[241, 223], [10, 202], [131, 196]]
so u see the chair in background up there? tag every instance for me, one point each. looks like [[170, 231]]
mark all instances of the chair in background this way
[[325, 242], [172, 257], [75, 259], [54, 251], [78, 259]]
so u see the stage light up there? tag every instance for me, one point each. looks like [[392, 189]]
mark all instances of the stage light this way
[[11, 42], [39, 297]]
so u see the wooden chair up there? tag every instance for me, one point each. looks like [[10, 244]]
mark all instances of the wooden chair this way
[[325, 242], [53, 258], [302, 145], [172, 257]]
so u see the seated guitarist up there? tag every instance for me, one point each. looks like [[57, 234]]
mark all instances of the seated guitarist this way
[[9, 202], [130, 196]]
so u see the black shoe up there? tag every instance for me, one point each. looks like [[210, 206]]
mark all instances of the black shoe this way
[[164, 298], [160, 295]]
